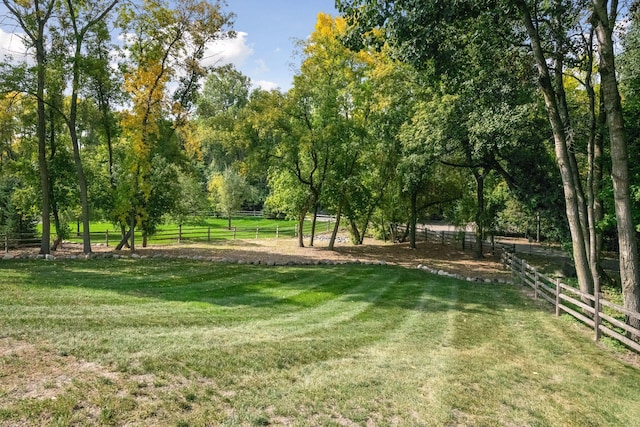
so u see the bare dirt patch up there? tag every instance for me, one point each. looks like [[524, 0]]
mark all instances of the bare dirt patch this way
[[447, 257]]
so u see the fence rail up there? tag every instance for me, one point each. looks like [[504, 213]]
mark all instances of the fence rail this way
[[199, 234], [465, 239], [19, 240], [603, 316]]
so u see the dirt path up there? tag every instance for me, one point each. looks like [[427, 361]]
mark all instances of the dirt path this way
[[436, 256]]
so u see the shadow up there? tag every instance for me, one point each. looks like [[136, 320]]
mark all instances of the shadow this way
[[384, 288]]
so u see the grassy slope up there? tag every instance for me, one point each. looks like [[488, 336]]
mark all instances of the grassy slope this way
[[184, 343]]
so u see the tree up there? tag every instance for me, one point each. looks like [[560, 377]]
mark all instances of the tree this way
[[425, 140], [220, 106], [81, 25], [33, 18], [290, 196], [165, 45], [229, 190], [422, 30], [605, 16]]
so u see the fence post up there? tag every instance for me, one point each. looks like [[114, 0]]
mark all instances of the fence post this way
[[106, 235], [596, 314], [235, 229], [209, 234], [523, 272], [6, 243], [277, 232], [535, 283], [179, 233], [257, 231], [557, 297], [442, 235]]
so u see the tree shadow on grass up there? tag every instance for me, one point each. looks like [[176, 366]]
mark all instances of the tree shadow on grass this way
[[261, 286]]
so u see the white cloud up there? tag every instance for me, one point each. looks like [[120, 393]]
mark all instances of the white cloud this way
[[11, 44], [266, 85], [228, 51]]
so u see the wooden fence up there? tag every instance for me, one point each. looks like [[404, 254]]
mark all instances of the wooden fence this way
[[18, 241], [180, 234], [466, 240], [197, 234], [603, 316]]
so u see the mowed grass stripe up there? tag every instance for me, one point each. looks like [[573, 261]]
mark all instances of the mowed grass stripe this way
[[345, 345], [394, 365]]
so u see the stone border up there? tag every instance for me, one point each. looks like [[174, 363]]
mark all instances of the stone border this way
[[270, 263], [444, 273], [213, 259]]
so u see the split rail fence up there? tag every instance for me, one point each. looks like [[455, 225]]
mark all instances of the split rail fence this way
[[19, 240], [165, 236], [603, 316]]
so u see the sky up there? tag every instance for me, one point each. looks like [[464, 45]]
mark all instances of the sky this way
[[267, 29], [264, 48]]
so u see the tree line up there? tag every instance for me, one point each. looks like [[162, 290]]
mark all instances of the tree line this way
[[501, 113]]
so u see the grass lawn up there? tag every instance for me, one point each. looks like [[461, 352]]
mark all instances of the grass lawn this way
[[211, 229], [159, 342]]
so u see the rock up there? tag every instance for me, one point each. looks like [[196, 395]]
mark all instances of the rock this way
[[7, 257], [49, 257]]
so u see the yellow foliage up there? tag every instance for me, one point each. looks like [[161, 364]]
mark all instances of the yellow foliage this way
[[191, 141], [140, 125]]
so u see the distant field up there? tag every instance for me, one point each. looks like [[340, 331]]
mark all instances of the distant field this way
[[210, 229], [177, 342]]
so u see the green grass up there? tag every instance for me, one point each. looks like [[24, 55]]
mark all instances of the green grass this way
[[150, 342], [213, 229]]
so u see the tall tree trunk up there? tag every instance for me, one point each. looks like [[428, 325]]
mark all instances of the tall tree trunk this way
[[132, 246], [79, 35], [598, 171], [35, 33], [479, 250], [314, 221], [413, 218], [355, 232], [82, 179], [301, 216], [124, 241], [594, 175], [57, 225], [42, 143], [82, 183], [563, 110], [580, 254], [336, 226], [54, 205], [627, 240]]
